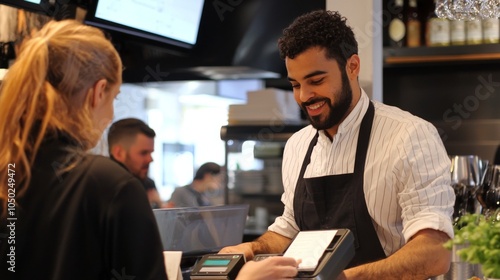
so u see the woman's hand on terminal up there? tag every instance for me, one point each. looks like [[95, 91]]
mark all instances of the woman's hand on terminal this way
[[271, 268], [243, 248]]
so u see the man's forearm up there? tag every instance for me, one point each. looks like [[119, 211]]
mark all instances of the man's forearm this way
[[270, 243], [424, 256]]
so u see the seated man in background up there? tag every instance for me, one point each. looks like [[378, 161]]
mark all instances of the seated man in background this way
[[207, 178], [131, 143]]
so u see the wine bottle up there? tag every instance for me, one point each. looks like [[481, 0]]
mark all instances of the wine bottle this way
[[438, 29], [491, 31], [457, 32], [413, 25], [474, 32], [397, 28]]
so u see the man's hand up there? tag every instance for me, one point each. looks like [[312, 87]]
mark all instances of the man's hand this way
[[269, 268], [268, 243], [243, 248]]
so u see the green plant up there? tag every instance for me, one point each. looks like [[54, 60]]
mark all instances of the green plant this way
[[482, 239]]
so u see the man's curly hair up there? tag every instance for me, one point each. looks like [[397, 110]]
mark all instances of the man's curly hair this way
[[325, 29]]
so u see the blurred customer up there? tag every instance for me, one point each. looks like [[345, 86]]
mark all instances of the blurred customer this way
[[207, 178], [74, 215], [131, 143]]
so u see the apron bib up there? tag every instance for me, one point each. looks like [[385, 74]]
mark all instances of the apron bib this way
[[338, 201]]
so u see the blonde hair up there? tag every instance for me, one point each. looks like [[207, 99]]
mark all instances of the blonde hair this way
[[46, 91]]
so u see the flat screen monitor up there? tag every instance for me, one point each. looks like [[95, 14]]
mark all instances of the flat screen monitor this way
[[168, 21], [38, 6], [201, 230]]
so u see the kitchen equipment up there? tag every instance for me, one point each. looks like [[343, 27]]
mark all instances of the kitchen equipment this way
[[459, 269], [466, 177], [488, 194], [467, 174]]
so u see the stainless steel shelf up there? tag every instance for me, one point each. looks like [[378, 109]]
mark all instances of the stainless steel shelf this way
[[260, 132]]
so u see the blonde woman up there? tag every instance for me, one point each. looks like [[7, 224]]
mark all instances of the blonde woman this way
[[67, 214]]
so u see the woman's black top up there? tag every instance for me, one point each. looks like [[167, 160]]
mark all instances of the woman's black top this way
[[91, 221]]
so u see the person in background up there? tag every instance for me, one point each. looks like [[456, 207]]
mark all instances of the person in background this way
[[207, 178], [362, 165], [74, 215], [70, 214], [131, 143], [496, 159]]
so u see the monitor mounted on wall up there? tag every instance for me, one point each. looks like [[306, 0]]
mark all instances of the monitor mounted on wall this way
[[171, 21], [38, 6]]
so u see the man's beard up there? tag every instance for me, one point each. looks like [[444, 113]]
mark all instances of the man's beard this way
[[137, 173], [337, 110]]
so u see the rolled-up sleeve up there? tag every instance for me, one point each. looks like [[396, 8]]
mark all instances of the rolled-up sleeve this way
[[426, 197]]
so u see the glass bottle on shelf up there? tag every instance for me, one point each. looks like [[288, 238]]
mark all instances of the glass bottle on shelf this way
[[397, 27], [437, 29], [474, 32], [457, 32], [413, 25], [491, 31]]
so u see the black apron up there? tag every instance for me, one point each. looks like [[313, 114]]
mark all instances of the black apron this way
[[338, 201]]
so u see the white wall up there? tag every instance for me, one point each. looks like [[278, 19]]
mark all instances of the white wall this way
[[188, 113], [365, 17]]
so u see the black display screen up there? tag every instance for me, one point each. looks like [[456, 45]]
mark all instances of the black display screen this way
[[38, 6], [171, 21]]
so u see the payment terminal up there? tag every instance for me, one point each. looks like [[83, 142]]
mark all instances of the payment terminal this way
[[337, 255], [218, 266]]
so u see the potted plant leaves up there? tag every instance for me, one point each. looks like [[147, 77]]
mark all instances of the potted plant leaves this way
[[481, 237]]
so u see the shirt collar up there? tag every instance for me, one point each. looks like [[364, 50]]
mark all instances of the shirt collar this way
[[354, 118]]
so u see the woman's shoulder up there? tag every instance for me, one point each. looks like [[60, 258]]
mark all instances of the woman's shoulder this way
[[99, 163], [101, 170]]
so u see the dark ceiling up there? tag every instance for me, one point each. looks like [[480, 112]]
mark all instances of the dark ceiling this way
[[237, 39], [243, 38]]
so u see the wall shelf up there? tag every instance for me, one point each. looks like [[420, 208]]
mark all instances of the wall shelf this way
[[484, 53], [456, 88], [273, 131]]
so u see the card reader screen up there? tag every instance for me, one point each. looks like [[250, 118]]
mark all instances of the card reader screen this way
[[216, 262]]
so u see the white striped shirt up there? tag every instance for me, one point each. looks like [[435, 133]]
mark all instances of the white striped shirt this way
[[407, 172]]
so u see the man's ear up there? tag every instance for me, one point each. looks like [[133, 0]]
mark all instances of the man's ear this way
[[119, 153], [353, 66], [97, 93]]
